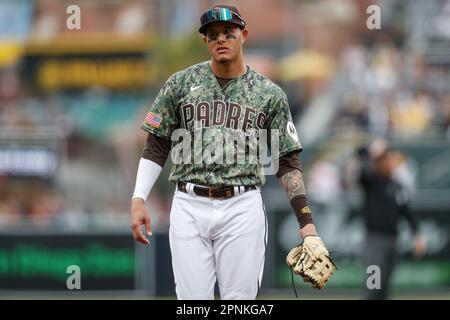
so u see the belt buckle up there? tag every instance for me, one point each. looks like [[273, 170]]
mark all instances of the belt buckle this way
[[210, 192], [227, 191]]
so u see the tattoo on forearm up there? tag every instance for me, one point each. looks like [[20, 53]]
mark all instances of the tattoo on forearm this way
[[292, 183]]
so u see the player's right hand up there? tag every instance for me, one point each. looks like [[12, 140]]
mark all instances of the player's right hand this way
[[139, 217]]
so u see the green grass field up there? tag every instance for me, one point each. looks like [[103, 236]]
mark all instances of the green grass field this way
[[282, 295]]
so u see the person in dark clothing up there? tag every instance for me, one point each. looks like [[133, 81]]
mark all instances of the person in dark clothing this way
[[386, 201]]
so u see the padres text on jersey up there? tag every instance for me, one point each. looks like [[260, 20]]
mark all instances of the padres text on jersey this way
[[193, 100]]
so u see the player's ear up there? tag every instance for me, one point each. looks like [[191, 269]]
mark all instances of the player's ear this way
[[244, 35], [204, 39]]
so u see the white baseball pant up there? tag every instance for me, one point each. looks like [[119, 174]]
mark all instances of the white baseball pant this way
[[217, 240]]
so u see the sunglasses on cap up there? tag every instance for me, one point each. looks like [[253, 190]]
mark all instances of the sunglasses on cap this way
[[220, 14]]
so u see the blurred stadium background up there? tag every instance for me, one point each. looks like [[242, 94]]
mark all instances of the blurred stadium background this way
[[72, 101]]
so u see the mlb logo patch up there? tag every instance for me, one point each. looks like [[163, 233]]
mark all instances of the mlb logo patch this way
[[153, 120]]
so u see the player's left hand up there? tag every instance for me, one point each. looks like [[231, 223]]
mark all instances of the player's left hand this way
[[312, 261], [308, 230]]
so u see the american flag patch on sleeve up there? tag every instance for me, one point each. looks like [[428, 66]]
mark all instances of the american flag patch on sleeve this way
[[153, 120]]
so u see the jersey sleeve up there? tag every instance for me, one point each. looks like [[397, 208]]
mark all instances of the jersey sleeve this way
[[280, 123], [162, 117]]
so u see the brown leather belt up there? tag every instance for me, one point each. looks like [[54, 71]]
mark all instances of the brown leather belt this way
[[213, 192]]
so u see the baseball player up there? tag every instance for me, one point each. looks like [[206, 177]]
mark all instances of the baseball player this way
[[218, 229]]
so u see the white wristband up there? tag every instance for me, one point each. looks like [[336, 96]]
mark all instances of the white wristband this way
[[148, 172]]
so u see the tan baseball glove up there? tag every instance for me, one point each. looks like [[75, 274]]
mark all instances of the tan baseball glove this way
[[312, 261]]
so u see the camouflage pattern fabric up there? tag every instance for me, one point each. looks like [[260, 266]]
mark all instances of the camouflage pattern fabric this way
[[210, 122]]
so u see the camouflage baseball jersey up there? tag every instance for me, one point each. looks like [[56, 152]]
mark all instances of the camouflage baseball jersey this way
[[218, 134]]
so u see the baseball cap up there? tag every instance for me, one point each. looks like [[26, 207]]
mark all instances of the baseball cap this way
[[221, 13]]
